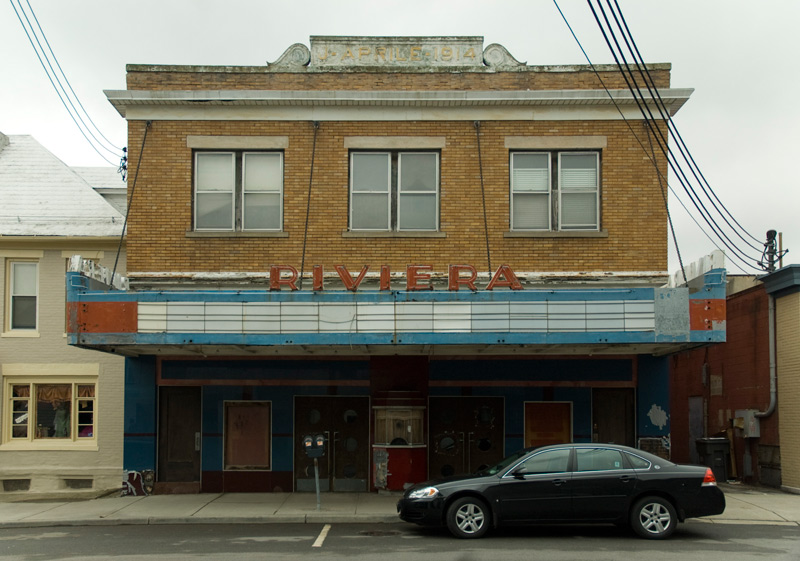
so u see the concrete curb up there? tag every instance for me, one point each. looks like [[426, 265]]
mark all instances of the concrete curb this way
[[155, 520]]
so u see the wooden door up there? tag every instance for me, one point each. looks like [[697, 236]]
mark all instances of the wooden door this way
[[179, 437], [613, 416], [548, 422]]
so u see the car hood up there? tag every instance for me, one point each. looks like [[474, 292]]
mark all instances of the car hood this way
[[452, 482]]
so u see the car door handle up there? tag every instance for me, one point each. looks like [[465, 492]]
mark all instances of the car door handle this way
[[626, 478], [559, 482]]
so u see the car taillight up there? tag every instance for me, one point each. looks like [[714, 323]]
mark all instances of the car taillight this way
[[709, 478]]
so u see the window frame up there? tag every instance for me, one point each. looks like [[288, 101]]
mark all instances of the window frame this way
[[510, 473], [10, 296], [31, 440], [394, 193], [238, 192], [581, 452], [555, 192]]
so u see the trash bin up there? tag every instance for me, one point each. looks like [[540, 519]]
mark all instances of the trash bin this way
[[715, 453]]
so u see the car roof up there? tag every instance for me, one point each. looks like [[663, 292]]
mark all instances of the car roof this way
[[630, 450]]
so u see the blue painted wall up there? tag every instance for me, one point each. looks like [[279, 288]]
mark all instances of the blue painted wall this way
[[653, 397], [141, 414]]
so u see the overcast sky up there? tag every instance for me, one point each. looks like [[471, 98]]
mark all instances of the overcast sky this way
[[740, 56]]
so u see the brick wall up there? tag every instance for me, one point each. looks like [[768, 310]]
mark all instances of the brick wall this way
[[787, 316], [737, 377], [632, 206], [258, 78]]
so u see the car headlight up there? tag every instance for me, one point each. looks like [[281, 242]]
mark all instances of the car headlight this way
[[424, 493]]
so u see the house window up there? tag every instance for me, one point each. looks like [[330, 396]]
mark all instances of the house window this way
[[22, 294], [394, 191], [52, 411], [238, 191], [555, 190]]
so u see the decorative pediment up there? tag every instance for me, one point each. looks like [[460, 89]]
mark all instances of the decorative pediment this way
[[295, 57]]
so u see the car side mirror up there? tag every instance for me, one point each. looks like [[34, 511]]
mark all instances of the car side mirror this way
[[519, 473]]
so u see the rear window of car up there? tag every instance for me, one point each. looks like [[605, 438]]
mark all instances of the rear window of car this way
[[638, 462], [598, 459]]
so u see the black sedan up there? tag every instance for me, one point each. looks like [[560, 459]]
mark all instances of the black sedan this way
[[569, 483]]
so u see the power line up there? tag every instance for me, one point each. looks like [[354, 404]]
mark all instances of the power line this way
[[116, 148], [53, 77], [673, 162], [672, 127], [660, 139]]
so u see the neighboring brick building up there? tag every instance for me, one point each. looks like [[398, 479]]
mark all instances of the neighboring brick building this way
[[741, 391], [420, 247], [60, 406], [784, 287]]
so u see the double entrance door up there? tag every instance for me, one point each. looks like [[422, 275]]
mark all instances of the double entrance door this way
[[344, 422], [466, 434]]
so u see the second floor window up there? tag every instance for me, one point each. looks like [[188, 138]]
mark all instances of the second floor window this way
[[238, 191], [394, 191], [564, 199], [23, 295]]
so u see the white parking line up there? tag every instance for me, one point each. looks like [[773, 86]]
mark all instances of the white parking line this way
[[322, 535]]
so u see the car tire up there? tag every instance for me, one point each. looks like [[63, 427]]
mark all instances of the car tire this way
[[468, 517], [654, 518]]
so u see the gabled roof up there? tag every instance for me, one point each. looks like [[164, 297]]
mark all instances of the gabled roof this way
[[41, 196], [105, 177]]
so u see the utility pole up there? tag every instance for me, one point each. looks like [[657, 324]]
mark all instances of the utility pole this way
[[771, 252]]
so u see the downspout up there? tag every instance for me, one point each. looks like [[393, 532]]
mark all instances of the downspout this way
[[773, 369]]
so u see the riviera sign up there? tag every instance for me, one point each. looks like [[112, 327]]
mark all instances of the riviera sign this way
[[418, 277]]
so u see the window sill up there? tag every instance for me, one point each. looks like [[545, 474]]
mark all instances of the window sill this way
[[21, 333], [385, 234], [210, 234], [555, 234], [28, 446]]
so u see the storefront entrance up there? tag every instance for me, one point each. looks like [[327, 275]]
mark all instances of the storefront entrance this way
[[345, 423], [466, 434], [179, 436]]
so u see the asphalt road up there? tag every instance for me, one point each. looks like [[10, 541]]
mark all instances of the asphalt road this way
[[394, 542]]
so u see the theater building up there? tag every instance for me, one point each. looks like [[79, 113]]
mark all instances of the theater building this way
[[422, 249]]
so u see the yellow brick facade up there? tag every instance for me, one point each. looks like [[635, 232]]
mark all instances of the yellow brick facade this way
[[632, 205], [788, 361]]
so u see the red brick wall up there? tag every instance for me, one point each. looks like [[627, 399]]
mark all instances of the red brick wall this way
[[743, 364]]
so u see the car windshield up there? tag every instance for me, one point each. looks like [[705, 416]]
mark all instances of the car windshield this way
[[504, 463]]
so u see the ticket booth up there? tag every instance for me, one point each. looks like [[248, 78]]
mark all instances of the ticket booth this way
[[399, 453]]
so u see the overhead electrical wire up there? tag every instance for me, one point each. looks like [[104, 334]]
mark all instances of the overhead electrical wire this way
[[61, 91], [735, 252], [665, 116], [641, 144], [674, 164], [671, 124]]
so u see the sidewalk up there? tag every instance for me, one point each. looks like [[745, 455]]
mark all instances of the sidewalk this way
[[745, 505]]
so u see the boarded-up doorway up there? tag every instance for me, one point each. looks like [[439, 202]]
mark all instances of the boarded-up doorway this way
[[548, 422], [247, 436]]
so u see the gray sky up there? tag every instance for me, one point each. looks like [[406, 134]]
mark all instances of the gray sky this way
[[740, 56]]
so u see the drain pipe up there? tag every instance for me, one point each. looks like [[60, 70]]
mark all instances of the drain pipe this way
[[773, 369]]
